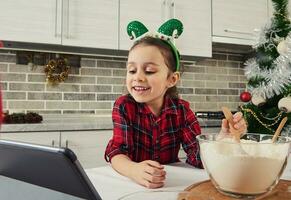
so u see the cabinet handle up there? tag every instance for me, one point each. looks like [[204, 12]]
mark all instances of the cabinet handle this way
[[172, 11], [56, 18], [163, 10], [67, 143], [68, 18], [53, 143], [237, 31]]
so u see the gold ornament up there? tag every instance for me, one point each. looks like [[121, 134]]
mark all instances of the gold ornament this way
[[56, 71]]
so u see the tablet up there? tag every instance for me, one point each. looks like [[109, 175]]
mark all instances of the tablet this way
[[57, 169]]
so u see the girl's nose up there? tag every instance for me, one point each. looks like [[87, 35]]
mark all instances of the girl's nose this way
[[139, 76]]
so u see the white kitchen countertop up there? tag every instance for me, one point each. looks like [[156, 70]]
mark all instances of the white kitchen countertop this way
[[78, 122], [112, 186]]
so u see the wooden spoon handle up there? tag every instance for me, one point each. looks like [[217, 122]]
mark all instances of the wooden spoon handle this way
[[278, 131], [228, 116]]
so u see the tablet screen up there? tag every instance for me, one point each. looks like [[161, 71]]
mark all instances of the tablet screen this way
[[56, 169]]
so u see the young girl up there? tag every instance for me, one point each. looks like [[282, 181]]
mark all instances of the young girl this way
[[151, 122]]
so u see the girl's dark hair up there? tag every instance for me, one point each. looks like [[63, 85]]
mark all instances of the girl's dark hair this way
[[166, 52]]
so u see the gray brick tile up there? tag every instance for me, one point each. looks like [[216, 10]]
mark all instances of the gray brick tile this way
[[111, 64], [96, 72], [88, 62], [62, 105], [107, 97], [96, 88], [3, 67], [13, 77], [27, 86], [227, 91], [14, 95], [44, 96], [79, 97]]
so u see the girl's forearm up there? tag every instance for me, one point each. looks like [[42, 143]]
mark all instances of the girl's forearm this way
[[123, 165]]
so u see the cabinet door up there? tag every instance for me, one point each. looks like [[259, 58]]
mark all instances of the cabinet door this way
[[42, 138], [196, 18], [91, 23], [31, 21], [238, 21], [151, 13], [89, 146]]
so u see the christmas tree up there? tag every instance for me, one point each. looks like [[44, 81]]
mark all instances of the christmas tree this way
[[269, 75]]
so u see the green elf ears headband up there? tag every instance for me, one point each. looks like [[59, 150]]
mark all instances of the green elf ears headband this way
[[169, 30]]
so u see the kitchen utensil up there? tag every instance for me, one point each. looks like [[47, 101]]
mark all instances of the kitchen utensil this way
[[278, 131], [228, 116]]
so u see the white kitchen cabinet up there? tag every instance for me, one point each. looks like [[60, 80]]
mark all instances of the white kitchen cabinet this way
[[195, 15], [238, 21], [89, 146], [31, 21], [90, 23], [151, 13], [42, 138]]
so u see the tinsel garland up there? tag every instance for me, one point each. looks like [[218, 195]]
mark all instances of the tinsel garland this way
[[286, 131], [276, 78]]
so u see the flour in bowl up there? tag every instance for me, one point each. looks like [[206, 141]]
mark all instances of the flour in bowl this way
[[252, 172]]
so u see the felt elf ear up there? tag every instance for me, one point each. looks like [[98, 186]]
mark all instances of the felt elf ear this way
[[172, 28], [169, 30], [136, 29]]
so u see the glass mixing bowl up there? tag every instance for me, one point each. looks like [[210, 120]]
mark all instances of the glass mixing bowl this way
[[244, 169]]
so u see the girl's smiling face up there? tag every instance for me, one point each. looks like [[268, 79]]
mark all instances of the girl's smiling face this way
[[148, 77]]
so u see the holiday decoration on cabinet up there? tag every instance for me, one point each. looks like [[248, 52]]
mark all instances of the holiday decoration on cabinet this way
[[268, 75]]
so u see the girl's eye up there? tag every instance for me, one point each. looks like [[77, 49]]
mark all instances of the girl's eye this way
[[150, 72], [131, 71]]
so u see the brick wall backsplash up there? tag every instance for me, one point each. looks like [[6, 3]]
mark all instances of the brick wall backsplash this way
[[207, 84]]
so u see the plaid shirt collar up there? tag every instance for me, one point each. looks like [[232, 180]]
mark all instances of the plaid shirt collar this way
[[168, 107]]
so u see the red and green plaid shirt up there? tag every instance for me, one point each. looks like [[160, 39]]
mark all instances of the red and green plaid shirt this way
[[141, 135]]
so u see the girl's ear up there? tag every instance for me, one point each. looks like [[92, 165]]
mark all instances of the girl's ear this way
[[173, 79]]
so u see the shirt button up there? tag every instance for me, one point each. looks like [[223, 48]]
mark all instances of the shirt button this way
[[157, 141]]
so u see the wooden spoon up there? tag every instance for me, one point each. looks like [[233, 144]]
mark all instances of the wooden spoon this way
[[228, 116], [278, 131]]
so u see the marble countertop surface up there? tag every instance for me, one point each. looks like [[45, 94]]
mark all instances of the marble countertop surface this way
[[79, 122]]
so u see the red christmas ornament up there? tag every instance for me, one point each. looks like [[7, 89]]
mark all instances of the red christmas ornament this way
[[245, 96]]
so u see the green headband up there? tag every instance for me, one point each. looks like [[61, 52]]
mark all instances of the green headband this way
[[169, 30]]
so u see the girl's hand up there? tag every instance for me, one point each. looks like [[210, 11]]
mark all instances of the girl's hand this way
[[239, 126], [149, 173]]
